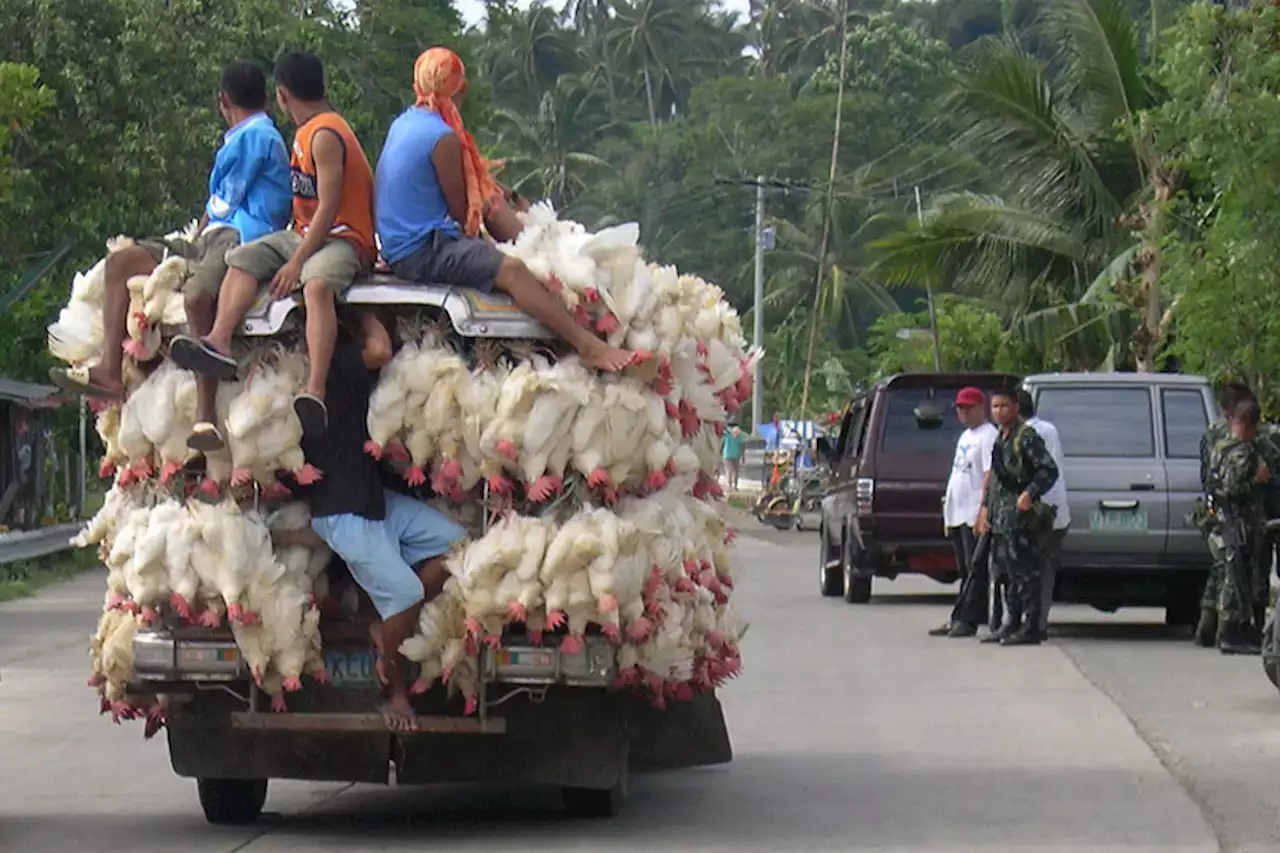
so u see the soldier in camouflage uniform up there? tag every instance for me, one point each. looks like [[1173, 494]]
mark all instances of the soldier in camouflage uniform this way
[[1236, 471], [1268, 445], [1022, 470], [1207, 630]]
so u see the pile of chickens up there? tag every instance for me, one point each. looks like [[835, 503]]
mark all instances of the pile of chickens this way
[[596, 486]]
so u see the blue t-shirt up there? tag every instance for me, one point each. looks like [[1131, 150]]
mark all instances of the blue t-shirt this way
[[250, 188], [408, 202]]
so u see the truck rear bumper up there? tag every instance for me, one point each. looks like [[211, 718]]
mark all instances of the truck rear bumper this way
[[577, 737]]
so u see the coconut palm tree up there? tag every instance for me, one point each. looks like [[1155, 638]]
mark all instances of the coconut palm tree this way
[[1071, 235], [547, 151]]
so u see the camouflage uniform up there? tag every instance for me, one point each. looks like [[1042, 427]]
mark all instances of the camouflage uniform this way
[[1232, 468], [1217, 432], [1020, 462], [1268, 445]]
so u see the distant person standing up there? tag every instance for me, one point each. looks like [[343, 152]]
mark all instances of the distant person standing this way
[[1056, 497], [1236, 472], [961, 505], [1022, 473], [1206, 633], [731, 451]]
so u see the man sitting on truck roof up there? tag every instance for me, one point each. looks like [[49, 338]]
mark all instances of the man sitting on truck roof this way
[[393, 545], [330, 243], [249, 196], [433, 192]]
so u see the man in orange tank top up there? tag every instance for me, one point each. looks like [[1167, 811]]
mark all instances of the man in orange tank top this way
[[330, 243]]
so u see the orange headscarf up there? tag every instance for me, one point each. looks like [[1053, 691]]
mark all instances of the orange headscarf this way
[[438, 75]]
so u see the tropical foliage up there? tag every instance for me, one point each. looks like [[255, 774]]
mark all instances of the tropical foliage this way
[[1090, 196]]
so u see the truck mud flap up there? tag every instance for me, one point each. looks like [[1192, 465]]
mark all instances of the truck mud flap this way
[[684, 734], [574, 737]]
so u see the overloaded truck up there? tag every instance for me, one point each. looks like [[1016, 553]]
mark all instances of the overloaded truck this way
[[544, 716]]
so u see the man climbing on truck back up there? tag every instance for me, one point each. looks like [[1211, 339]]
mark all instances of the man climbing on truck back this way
[[330, 243], [393, 545], [433, 192], [249, 196]]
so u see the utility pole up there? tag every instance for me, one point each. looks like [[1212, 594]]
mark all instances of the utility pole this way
[[933, 315], [757, 388], [763, 240]]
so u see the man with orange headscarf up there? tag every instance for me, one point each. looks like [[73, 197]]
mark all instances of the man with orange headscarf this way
[[434, 191]]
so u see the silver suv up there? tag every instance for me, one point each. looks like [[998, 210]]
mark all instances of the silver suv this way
[[1132, 448]]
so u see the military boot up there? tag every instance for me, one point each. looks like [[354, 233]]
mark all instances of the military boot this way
[[1027, 635], [1234, 640], [1207, 629]]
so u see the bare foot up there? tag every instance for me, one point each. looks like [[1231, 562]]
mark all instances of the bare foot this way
[[375, 634], [607, 358], [399, 715]]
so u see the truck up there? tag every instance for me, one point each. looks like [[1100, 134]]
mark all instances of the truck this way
[[544, 716]]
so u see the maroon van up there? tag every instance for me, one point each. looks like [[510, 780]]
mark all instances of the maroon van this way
[[882, 512]]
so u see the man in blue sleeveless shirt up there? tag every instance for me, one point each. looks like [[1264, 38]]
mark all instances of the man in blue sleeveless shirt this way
[[422, 203]]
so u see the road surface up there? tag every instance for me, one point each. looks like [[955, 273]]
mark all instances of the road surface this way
[[853, 730]]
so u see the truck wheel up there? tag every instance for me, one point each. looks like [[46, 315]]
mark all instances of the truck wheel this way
[[232, 801], [1182, 603], [594, 802], [856, 590], [830, 581]]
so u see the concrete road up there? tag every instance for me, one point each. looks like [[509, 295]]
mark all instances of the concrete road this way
[[852, 730]]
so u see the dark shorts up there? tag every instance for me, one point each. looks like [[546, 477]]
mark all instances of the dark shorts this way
[[458, 261], [207, 257]]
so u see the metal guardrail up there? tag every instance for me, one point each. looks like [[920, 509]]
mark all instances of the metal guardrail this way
[[30, 544]]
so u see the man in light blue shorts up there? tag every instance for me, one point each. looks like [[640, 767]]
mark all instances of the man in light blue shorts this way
[[393, 545]]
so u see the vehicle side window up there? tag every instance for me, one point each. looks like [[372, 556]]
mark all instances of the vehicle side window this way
[[1185, 421], [860, 429], [846, 429], [1101, 422]]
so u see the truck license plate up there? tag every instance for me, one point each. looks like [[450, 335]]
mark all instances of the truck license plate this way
[[1118, 520], [532, 659], [351, 669]]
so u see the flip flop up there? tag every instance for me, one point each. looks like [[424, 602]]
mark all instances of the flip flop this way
[[75, 380], [197, 356], [312, 413], [206, 438]]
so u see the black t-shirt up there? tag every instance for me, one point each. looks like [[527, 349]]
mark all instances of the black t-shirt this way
[[352, 482]]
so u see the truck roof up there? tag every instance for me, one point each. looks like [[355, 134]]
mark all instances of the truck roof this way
[[1116, 379]]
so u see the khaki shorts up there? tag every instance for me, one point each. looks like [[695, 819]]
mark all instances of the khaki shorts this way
[[206, 257], [336, 264]]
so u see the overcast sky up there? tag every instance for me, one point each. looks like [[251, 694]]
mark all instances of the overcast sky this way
[[473, 10]]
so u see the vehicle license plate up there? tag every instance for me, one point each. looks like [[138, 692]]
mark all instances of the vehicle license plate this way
[[1119, 520], [351, 669], [524, 658]]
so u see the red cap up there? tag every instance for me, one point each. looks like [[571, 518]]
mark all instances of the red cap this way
[[970, 397]]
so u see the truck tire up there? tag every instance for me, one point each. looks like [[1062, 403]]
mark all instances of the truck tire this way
[[856, 590], [594, 802], [830, 581], [1182, 603], [228, 802]]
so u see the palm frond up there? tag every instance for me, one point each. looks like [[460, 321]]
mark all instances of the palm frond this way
[[1013, 118]]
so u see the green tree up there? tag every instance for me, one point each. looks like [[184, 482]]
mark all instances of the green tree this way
[[1076, 218]]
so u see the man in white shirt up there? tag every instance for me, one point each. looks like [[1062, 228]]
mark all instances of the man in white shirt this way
[[1051, 543], [960, 506]]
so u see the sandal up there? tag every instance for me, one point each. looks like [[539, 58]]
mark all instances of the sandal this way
[[76, 380], [206, 438], [312, 413], [197, 356]]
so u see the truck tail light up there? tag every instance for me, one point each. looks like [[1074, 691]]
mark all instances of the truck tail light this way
[[864, 492]]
